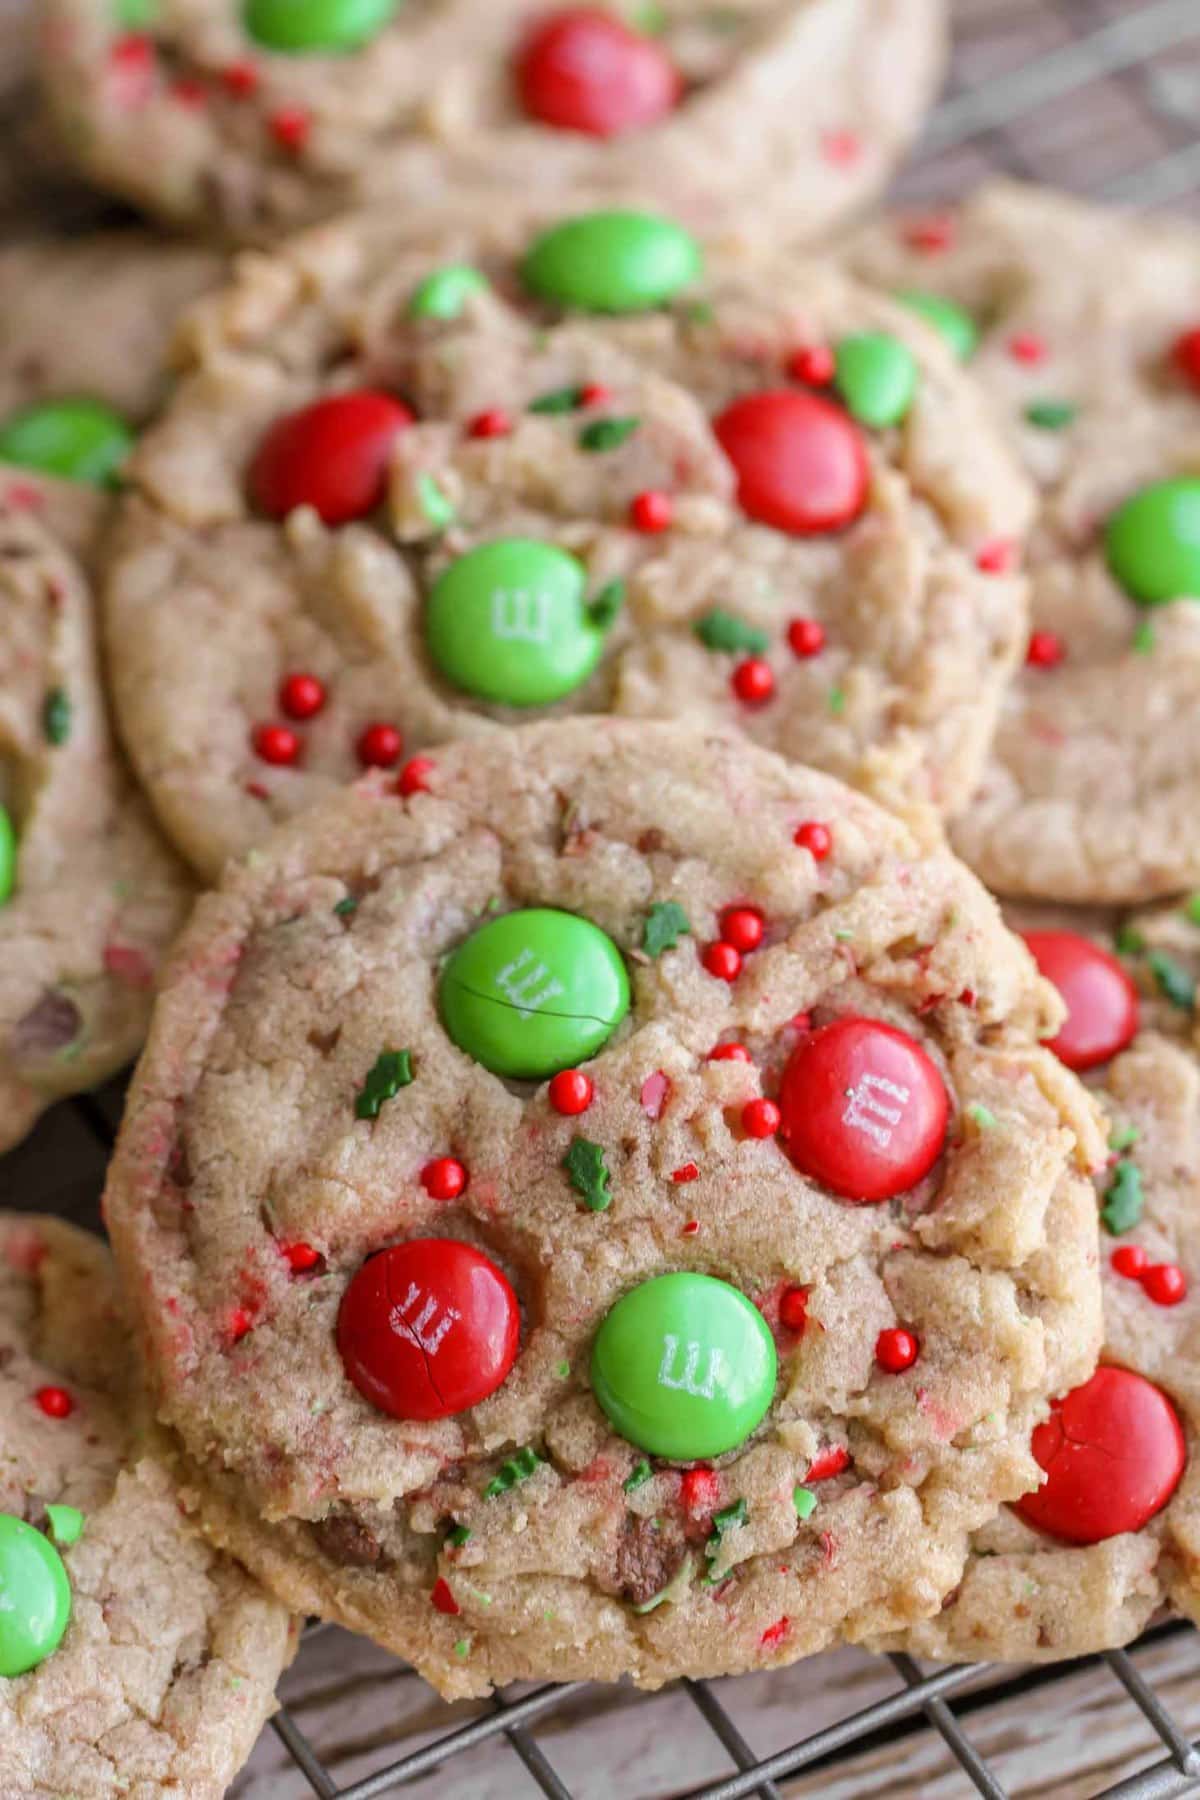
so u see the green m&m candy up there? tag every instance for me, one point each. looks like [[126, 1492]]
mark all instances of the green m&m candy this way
[[443, 294], [612, 262], [953, 323], [1153, 542], [8, 855], [684, 1366], [876, 375], [534, 992], [35, 1597], [510, 622], [302, 27], [76, 440]]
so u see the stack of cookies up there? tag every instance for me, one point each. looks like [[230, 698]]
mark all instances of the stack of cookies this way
[[521, 687]]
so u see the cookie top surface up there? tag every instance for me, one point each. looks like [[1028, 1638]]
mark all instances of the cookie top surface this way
[[1084, 1564], [1089, 794], [91, 893], [167, 1655], [412, 1312], [253, 118], [465, 480]]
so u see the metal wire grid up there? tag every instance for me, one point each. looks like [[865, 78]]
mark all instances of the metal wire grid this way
[[1092, 45]]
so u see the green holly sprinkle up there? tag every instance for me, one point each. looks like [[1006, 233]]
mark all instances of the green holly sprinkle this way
[[1051, 415], [519, 1467], [720, 630], [805, 1502], [1143, 639], [730, 1518], [607, 434], [443, 294], [638, 1476], [562, 1370], [603, 610], [437, 507], [1172, 980], [558, 400], [981, 1115], [666, 923], [836, 701], [66, 1524], [1129, 941], [1123, 1199], [1123, 1137], [1191, 909], [462, 1649], [589, 1174], [392, 1071], [56, 716], [345, 907], [460, 1535]]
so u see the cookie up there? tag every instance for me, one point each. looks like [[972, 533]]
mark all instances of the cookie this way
[[85, 326], [606, 1213], [134, 1659], [615, 482], [1089, 795], [1112, 1534], [89, 893], [257, 118]]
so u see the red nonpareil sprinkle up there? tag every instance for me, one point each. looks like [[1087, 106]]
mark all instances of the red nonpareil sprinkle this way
[[256, 790], [237, 1324], [932, 234], [997, 557], [132, 66], [301, 696], [841, 148], [813, 364], [896, 1350], [1027, 347], [793, 1309], [753, 681], [291, 127], [760, 1118], [814, 837], [300, 1257], [1045, 650], [1185, 354], [186, 90], [653, 1096], [775, 1634], [278, 745], [25, 496], [1131, 1261], [442, 1600], [1165, 1284], [594, 393], [742, 926], [828, 1462], [806, 637], [723, 961], [240, 79], [687, 1172], [445, 1178], [379, 747], [699, 1490], [55, 1402], [494, 423], [651, 511], [414, 776], [572, 1092], [729, 1053], [133, 51]]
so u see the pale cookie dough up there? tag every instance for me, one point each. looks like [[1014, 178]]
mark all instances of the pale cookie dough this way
[[560, 426], [764, 119], [302, 1107], [1090, 794], [95, 894], [167, 1669]]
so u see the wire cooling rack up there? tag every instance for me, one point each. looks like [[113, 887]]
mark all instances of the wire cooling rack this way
[[1102, 96]]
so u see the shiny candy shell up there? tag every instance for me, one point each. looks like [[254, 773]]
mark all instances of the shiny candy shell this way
[[332, 456], [801, 464], [876, 375], [684, 1366], [534, 992], [1153, 542], [509, 622], [1100, 998], [953, 324], [307, 27], [75, 440], [35, 1597], [584, 70], [1113, 1451], [8, 855], [864, 1109], [428, 1328], [612, 262]]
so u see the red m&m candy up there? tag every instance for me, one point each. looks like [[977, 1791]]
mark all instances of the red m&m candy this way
[[331, 456], [428, 1328], [1113, 1452], [585, 70], [864, 1109], [800, 461], [1101, 1000]]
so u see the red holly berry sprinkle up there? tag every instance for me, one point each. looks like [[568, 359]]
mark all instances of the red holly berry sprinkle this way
[[300, 1257], [806, 637], [332, 456], [651, 511], [699, 1490], [1185, 354], [997, 557], [572, 1092], [896, 1350], [301, 696], [774, 1635], [290, 127], [444, 1178], [186, 90], [276, 744], [814, 837], [753, 681], [414, 776], [800, 461], [584, 70], [932, 234], [1027, 347], [1045, 650], [793, 1309], [760, 1118], [685, 1173], [1130, 1260], [813, 364], [55, 1402], [729, 1053], [494, 423], [240, 79], [723, 961], [379, 746], [1165, 1284], [594, 393], [442, 1600], [742, 926]]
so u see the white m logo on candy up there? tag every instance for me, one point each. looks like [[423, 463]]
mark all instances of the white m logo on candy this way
[[521, 613], [527, 984], [869, 1112], [418, 1327], [687, 1383]]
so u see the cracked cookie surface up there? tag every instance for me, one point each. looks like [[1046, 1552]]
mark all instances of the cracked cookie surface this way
[[303, 1123]]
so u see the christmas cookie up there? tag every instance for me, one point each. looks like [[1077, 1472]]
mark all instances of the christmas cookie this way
[[763, 118], [134, 1660], [417, 487], [89, 893], [604, 1212], [1113, 1532], [1090, 793]]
